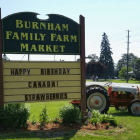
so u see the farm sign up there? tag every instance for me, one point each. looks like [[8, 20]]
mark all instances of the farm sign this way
[[25, 33], [34, 81], [41, 81]]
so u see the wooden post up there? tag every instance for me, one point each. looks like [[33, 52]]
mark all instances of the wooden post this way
[[82, 60], [1, 67], [28, 57]]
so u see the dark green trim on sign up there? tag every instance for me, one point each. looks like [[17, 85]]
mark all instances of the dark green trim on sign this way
[[24, 33]]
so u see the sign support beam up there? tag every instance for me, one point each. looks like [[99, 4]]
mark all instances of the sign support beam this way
[[1, 67], [82, 59]]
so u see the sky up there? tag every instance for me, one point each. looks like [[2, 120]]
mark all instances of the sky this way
[[114, 17]]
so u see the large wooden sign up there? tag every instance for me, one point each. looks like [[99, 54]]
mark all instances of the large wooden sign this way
[[25, 33], [41, 81]]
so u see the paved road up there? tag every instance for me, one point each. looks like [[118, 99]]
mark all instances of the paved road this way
[[115, 84]]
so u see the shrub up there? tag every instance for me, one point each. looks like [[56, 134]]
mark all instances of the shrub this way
[[96, 117], [70, 114], [14, 116], [55, 120], [43, 117], [33, 122], [107, 126], [109, 119], [105, 118]]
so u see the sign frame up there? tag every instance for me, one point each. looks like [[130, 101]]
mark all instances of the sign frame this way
[[82, 62], [82, 59], [1, 67]]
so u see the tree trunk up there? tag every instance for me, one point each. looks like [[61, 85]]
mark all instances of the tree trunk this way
[[105, 75]]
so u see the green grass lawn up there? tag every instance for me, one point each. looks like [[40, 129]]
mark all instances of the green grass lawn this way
[[52, 108], [130, 127]]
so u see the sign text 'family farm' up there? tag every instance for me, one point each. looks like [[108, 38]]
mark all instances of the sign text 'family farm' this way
[[25, 33]]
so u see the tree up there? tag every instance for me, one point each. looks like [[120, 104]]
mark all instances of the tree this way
[[137, 68], [106, 58], [123, 61], [93, 57], [4, 57], [123, 71], [95, 68], [118, 68]]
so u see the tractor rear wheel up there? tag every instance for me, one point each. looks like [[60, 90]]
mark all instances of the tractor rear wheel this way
[[134, 107], [98, 99]]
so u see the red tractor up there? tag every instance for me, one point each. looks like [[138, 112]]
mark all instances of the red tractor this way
[[120, 97]]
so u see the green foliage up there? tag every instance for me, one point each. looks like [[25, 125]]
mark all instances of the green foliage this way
[[55, 120], [106, 58], [96, 117], [128, 122], [106, 118], [122, 72], [4, 57], [93, 57], [122, 62], [33, 120], [43, 117], [70, 114], [107, 126], [95, 68], [109, 119], [137, 68], [52, 108], [14, 116]]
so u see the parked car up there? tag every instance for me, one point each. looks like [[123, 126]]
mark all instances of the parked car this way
[[115, 77]]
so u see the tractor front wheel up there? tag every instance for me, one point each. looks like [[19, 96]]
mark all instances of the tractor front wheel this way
[[98, 99], [134, 107]]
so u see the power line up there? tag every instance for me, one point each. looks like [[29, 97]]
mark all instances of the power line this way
[[135, 47], [135, 40], [112, 36], [115, 39], [93, 43], [134, 28], [118, 40], [117, 34], [135, 34], [118, 44]]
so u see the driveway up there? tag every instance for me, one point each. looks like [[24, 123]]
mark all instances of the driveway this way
[[115, 84]]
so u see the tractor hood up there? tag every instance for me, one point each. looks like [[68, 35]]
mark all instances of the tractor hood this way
[[126, 89]]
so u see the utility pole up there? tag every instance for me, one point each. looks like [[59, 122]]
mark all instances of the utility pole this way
[[127, 55]]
